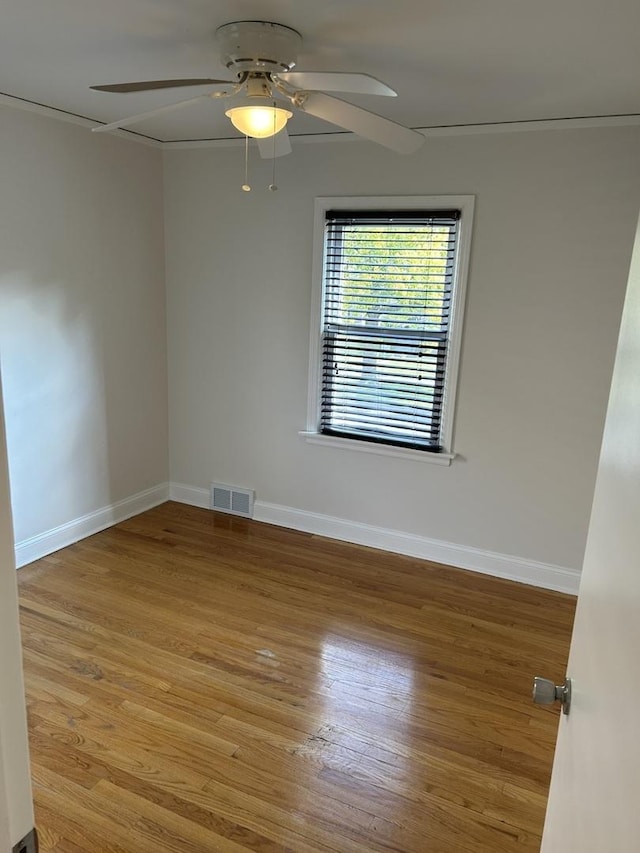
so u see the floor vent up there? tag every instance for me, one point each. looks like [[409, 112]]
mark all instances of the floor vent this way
[[232, 499]]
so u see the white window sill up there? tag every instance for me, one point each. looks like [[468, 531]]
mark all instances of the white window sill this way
[[379, 449]]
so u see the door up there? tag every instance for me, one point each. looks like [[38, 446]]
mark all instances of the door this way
[[594, 802], [16, 810], [5, 836]]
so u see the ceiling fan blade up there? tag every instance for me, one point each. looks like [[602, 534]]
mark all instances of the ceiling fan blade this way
[[374, 127], [275, 146], [123, 122], [149, 85], [328, 81]]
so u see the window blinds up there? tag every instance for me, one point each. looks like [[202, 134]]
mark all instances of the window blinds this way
[[388, 280]]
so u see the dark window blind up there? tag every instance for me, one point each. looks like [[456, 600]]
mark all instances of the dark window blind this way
[[388, 280]]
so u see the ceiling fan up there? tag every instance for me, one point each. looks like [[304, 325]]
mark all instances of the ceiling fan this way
[[262, 55]]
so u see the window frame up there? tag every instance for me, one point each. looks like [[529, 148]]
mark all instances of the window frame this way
[[463, 203]]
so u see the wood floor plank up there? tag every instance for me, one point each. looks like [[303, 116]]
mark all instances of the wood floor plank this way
[[199, 682]]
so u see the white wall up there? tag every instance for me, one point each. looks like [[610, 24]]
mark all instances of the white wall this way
[[555, 215], [82, 319], [16, 810]]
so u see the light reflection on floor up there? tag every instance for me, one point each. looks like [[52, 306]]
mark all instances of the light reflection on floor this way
[[363, 697], [362, 670]]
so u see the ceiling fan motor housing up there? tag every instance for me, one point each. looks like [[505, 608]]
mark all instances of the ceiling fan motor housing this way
[[258, 46]]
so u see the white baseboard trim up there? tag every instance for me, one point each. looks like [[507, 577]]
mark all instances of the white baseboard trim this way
[[46, 543], [411, 545], [191, 495]]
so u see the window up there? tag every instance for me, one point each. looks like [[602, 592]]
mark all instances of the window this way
[[388, 313]]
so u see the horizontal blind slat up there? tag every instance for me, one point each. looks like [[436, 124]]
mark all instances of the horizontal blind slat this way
[[386, 304], [396, 419]]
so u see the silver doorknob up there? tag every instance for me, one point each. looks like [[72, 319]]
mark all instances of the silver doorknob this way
[[545, 692]]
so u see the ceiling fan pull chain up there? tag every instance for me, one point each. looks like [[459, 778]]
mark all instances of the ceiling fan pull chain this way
[[272, 185], [246, 187]]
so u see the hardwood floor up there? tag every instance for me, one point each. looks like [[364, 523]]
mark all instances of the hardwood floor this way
[[198, 682]]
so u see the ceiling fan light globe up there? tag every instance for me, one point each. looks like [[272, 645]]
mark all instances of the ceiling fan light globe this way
[[258, 122]]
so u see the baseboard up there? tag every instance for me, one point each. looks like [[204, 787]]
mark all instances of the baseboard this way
[[411, 545], [46, 543], [191, 495]]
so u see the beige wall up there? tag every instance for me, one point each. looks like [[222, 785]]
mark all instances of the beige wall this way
[[82, 319], [555, 215]]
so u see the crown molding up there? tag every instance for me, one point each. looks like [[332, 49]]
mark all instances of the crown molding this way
[[429, 132], [72, 118], [528, 125]]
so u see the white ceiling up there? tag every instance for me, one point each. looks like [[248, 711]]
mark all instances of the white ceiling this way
[[452, 62]]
